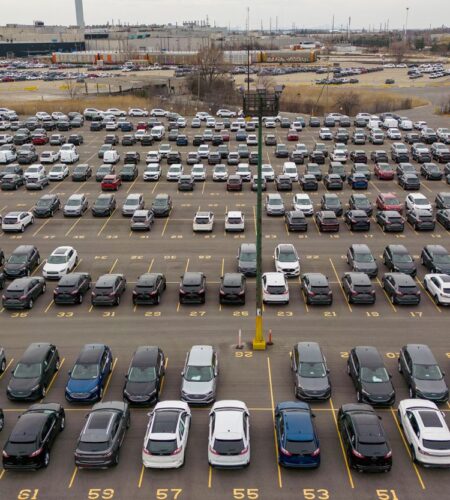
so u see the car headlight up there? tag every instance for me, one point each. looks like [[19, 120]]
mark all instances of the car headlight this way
[[94, 389], [365, 392]]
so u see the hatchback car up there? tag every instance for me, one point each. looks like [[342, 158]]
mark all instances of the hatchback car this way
[[17, 221], [401, 289], [295, 220], [22, 293], [33, 372], [304, 203], [425, 431], [438, 286], [29, 445], [369, 375], [71, 288], [234, 221], [327, 221], [310, 372], [308, 182], [390, 221], [229, 435], [108, 290], [364, 439], [162, 205], [246, 259], [89, 374], [331, 202], [104, 205], [166, 437], [203, 222], [62, 260], [422, 373], [47, 205], [133, 202], [199, 375], [389, 201], [81, 173], [75, 206], [296, 435], [232, 288], [274, 204], [316, 289], [149, 289], [101, 438]]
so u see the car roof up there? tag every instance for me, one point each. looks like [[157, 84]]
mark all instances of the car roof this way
[[98, 425], [62, 250], [76, 196], [228, 420], [402, 279], [310, 352], [35, 352], [200, 355], [71, 278], [192, 278], [91, 353], [434, 249], [235, 213], [317, 279], [298, 424], [148, 279], [232, 279], [145, 355], [23, 249], [107, 279], [133, 196], [248, 247], [165, 420], [397, 248], [421, 353], [369, 356], [203, 214], [28, 427], [361, 279], [275, 278]]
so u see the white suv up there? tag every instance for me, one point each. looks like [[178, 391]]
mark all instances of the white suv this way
[[438, 286], [62, 260], [275, 288], [229, 434], [426, 432], [286, 260], [417, 200], [17, 221], [302, 201], [203, 222], [234, 221], [167, 435]]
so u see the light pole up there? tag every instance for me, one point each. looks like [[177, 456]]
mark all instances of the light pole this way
[[260, 102]]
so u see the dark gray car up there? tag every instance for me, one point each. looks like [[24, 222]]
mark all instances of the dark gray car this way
[[246, 259], [310, 372], [22, 262], [360, 259], [397, 259]]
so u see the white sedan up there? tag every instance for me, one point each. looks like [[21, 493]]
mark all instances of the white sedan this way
[[229, 434], [426, 432], [438, 286]]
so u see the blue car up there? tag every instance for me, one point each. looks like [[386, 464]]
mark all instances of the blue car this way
[[88, 376], [358, 180], [298, 444]]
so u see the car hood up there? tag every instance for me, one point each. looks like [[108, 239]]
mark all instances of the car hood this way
[[313, 384], [22, 384], [55, 267], [197, 387], [81, 385], [14, 267], [380, 389], [428, 387], [404, 266], [365, 266], [140, 388], [287, 265]]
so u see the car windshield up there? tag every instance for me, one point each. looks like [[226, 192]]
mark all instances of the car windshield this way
[[392, 201], [57, 259], [421, 201], [303, 201], [102, 202], [17, 259], [402, 258], [132, 202], [142, 374], [85, 371], [374, 375], [427, 372], [199, 373], [276, 201], [247, 257], [364, 257], [73, 203], [441, 258], [43, 203], [28, 370], [79, 170], [229, 446], [312, 370], [287, 257], [160, 203]]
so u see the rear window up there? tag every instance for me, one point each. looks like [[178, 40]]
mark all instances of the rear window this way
[[300, 447], [156, 447], [229, 447], [93, 447], [408, 289], [276, 290], [319, 289], [436, 445]]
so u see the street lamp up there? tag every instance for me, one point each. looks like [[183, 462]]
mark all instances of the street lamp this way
[[260, 102]]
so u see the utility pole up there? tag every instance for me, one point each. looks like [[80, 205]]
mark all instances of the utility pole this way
[[406, 21]]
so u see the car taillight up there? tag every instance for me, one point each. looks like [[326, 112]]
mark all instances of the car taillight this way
[[202, 290], [36, 453], [372, 292], [358, 454], [418, 292], [388, 454], [285, 452], [134, 292], [93, 294], [3, 297], [315, 452], [145, 451], [222, 292], [241, 293], [354, 293], [152, 293], [330, 292], [213, 451], [175, 452], [244, 451]]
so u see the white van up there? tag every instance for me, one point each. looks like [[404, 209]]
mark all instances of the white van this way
[[390, 123], [111, 157], [158, 132]]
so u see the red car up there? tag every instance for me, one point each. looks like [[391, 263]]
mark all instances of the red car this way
[[225, 135], [389, 201], [111, 183], [383, 171], [141, 126], [234, 183], [292, 135], [39, 139]]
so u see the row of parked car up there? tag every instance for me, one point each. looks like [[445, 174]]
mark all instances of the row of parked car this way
[[166, 437]]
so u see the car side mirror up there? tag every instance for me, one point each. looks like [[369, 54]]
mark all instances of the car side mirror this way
[[182, 373], [313, 415], [126, 376], [328, 370], [69, 373], [379, 418], [443, 374]]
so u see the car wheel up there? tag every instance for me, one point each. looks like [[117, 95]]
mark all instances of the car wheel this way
[[100, 394], [116, 459], [43, 392], [30, 304], [22, 229], [46, 458], [436, 300], [158, 299], [3, 366], [62, 425], [349, 298], [80, 299], [118, 300], [413, 453], [358, 396], [51, 213], [58, 365], [348, 369], [44, 287], [393, 299], [412, 393]]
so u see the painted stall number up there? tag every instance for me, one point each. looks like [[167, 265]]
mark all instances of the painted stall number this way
[[137, 257], [240, 314], [204, 257], [400, 236], [152, 314], [344, 354], [28, 494], [312, 257], [239, 236], [313, 494], [245, 493], [240, 204], [168, 494], [447, 354], [334, 236], [80, 236], [16, 237], [435, 235], [100, 494], [170, 257], [48, 237], [329, 314], [63, 314], [367, 236], [197, 313], [270, 236], [285, 314], [213, 205], [144, 236], [303, 236], [185, 204], [387, 495], [19, 315], [416, 314], [209, 236], [108, 314], [243, 354], [392, 355], [101, 257], [176, 236], [372, 314]]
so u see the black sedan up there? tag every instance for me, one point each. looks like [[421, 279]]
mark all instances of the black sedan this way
[[369, 375], [33, 372], [357, 220], [364, 438], [71, 288], [145, 375], [295, 220], [22, 292], [192, 288], [81, 172], [358, 288], [30, 442], [129, 172], [232, 288], [47, 205], [149, 289]]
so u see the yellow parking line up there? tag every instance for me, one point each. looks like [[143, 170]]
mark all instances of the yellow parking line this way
[[72, 227], [349, 472], [109, 377], [155, 186], [2, 473], [280, 481], [340, 285], [386, 295], [79, 262], [141, 477], [419, 477], [54, 377], [132, 185], [428, 295], [165, 225], [55, 187], [426, 187], [254, 216], [151, 265], [210, 477], [72, 479], [203, 188], [287, 230], [49, 306], [43, 225], [187, 265], [7, 366], [106, 222], [164, 377], [3, 208], [37, 268], [374, 185], [113, 266], [79, 187]]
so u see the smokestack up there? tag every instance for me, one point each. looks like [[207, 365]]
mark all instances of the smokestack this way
[[79, 13]]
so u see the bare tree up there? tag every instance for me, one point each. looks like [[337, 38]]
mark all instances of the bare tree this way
[[266, 81], [348, 102], [398, 51], [72, 88]]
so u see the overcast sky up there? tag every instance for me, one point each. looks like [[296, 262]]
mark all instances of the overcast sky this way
[[319, 13]]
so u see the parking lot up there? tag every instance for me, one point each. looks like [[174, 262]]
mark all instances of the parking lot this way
[[261, 379]]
